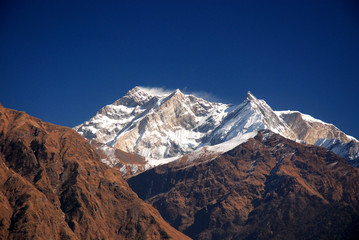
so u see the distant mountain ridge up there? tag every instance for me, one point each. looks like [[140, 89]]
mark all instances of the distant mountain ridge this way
[[168, 125]]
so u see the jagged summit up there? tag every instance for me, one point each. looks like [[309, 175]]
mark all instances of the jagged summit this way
[[141, 95], [133, 98], [159, 92], [136, 91], [157, 123], [251, 115], [251, 97], [177, 91]]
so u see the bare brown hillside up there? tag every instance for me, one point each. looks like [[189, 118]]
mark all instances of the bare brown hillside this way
[[54, 186], [267, 188]]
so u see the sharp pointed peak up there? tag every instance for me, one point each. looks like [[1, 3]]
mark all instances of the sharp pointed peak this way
[[132, 98], [177, 91], [136, 88], [251, 97], [255, 102], [136, 91]]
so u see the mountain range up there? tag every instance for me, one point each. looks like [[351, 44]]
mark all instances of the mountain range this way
[[223, 171], [164, 126], [169, 165]]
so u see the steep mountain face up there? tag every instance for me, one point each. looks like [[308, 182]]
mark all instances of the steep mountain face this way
[[154, 126], [314, 131], [308, 129], [170, 128], [158, 126], [266, 188], [54, 186], [250, 116]]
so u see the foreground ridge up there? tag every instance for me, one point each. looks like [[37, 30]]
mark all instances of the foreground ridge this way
[[266, 188], [54, 186]]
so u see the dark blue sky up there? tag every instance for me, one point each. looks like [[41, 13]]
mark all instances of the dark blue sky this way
[[61, 61]]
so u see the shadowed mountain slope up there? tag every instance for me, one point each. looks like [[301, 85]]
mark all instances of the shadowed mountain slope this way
[[267, 188]]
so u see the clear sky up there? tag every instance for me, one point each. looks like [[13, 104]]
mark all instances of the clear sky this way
[[63, 60]]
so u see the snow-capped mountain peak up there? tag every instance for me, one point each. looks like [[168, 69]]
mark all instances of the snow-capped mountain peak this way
[[135, 97], [251, 115], [158, 124], [251, 97], [159, 92]]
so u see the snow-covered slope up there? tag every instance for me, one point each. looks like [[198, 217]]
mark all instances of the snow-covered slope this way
[[163, 126], [251, 115], [349, 150], [114, 119]]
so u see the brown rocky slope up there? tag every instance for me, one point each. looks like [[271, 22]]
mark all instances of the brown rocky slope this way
[[54, 186], [267, 188]]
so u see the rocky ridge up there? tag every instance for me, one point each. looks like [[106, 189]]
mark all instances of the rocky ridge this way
[[314, 131], [266, 188], [54, 186]]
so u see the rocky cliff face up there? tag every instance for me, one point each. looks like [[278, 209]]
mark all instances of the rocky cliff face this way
[[154, 126], [267, 188], [314, 131], [309, 129], [54, 186], [169, 129]]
